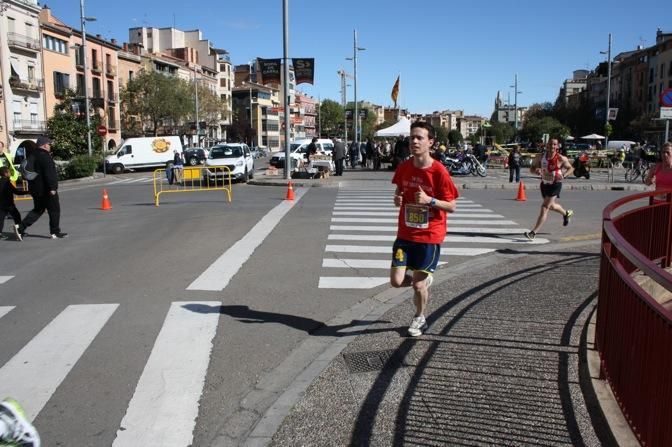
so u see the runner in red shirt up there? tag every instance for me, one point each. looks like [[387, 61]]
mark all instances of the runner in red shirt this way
[[425, 193]]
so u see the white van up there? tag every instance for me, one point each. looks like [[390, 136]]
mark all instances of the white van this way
[[618, 144], [143, 152], [298, 149]]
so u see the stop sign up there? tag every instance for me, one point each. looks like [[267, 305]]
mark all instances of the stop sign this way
[[102, 131]]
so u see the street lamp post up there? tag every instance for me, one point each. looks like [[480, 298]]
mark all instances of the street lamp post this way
[[285, 86], [355, 49], [198, 126], [83, 20], [249, 80], [515, 102], [606, 112]]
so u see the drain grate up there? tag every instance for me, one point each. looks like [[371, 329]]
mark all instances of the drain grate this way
[[360, 362]]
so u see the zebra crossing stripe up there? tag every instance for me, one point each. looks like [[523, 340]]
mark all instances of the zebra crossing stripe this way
[[351, 282], [449, 238], [34, 373], [4, 279], [453, 229], [4, 310], [445, 251], [481, 214], [359, 263], [126, 180], [391, 228], [450, 219], [164, 407]]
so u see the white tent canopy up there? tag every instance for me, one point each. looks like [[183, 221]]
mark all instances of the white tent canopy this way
[[402, 127], [593, 136]]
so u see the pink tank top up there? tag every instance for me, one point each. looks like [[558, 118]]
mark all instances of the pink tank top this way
[[663, 177]]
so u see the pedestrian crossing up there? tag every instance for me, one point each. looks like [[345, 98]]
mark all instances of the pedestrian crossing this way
[[164, 407], [363, 227], [129, 181]]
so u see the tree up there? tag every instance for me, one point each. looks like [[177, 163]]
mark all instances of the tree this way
[[155, 99], [454, 137], [501, 132], [535, 128], [441, 134], [332, 116], [68, 130]]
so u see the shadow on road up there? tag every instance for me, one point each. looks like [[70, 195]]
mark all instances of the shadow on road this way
[[310, 326]]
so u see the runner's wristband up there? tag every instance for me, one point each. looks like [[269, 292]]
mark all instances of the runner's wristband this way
[[433, 202]]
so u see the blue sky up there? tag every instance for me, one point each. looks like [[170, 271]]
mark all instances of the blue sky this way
[[450, 54]]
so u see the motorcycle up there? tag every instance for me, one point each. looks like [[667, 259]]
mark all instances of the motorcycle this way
[[466, 165], [582, 166]]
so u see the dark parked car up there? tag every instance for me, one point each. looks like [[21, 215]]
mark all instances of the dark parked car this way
[[195, 156]]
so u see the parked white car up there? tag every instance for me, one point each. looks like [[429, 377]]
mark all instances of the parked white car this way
[[235, 156], [298, 150]]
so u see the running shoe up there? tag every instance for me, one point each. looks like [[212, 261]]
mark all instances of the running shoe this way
[[530, 235], [18, 233], [418, 324], [20, 433], [567, 217], [59, 235]]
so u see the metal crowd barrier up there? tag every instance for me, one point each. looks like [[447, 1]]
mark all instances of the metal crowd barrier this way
[[193, 179], [23, 185]]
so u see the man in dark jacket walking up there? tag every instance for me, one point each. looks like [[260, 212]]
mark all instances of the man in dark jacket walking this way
[[44, 189], [339, 156]]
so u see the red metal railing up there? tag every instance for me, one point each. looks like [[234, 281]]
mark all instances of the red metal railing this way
[[634, 332]]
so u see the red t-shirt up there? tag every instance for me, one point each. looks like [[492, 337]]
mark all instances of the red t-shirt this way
[[423, 223]]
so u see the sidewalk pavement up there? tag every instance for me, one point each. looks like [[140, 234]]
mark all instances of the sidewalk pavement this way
[[497, 178], [502, 363]]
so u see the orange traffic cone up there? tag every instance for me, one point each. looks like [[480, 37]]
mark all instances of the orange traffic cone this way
[[521, 192], [106, 202], [290, 191]]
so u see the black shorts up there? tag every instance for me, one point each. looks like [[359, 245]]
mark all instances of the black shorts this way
[[416, 256], [550, 189]]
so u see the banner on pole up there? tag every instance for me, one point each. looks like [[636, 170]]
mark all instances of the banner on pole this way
[[613, 112], [304, 70], [270, 70]]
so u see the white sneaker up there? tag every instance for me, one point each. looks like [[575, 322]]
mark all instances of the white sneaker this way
[[418, 324], [21, 432]]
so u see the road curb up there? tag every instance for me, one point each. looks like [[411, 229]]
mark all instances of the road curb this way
[[369, 309]]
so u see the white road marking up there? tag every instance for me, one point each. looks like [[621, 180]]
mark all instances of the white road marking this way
[[445, 251], [479, 213], [391, 207], [4, 310], [453, 229], [352, 282], [452, 218], [391, 228], [449, 238], [4, 279], [217, 276], [34, 373], [126, 180], [164, 407], [360, 263]]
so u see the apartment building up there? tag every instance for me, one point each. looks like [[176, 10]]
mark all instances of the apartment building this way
[[21, 75], [258, 105], [307, 117], [468, 125], [187, 55]]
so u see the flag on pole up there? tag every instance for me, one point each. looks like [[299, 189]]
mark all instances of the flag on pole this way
[[395, 92]]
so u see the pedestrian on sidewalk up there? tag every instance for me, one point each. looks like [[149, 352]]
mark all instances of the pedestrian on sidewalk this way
[[425, 193], [7, 192], [514, 164], [550, 166], [339, 156], [44, 189]]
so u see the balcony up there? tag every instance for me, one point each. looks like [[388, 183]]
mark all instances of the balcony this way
[[17, 40], [30, 126], [113, 125], [26, 85], [110, 70], [97, 66], [112, 97]]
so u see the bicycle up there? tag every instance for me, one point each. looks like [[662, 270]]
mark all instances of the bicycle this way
[[640, 168]]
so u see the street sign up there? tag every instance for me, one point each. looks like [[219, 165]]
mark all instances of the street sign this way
[[666, 113], [102, 131], [545, 138], [666, 98]]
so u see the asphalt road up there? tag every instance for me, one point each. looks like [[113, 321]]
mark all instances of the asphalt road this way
[[134, 265]]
